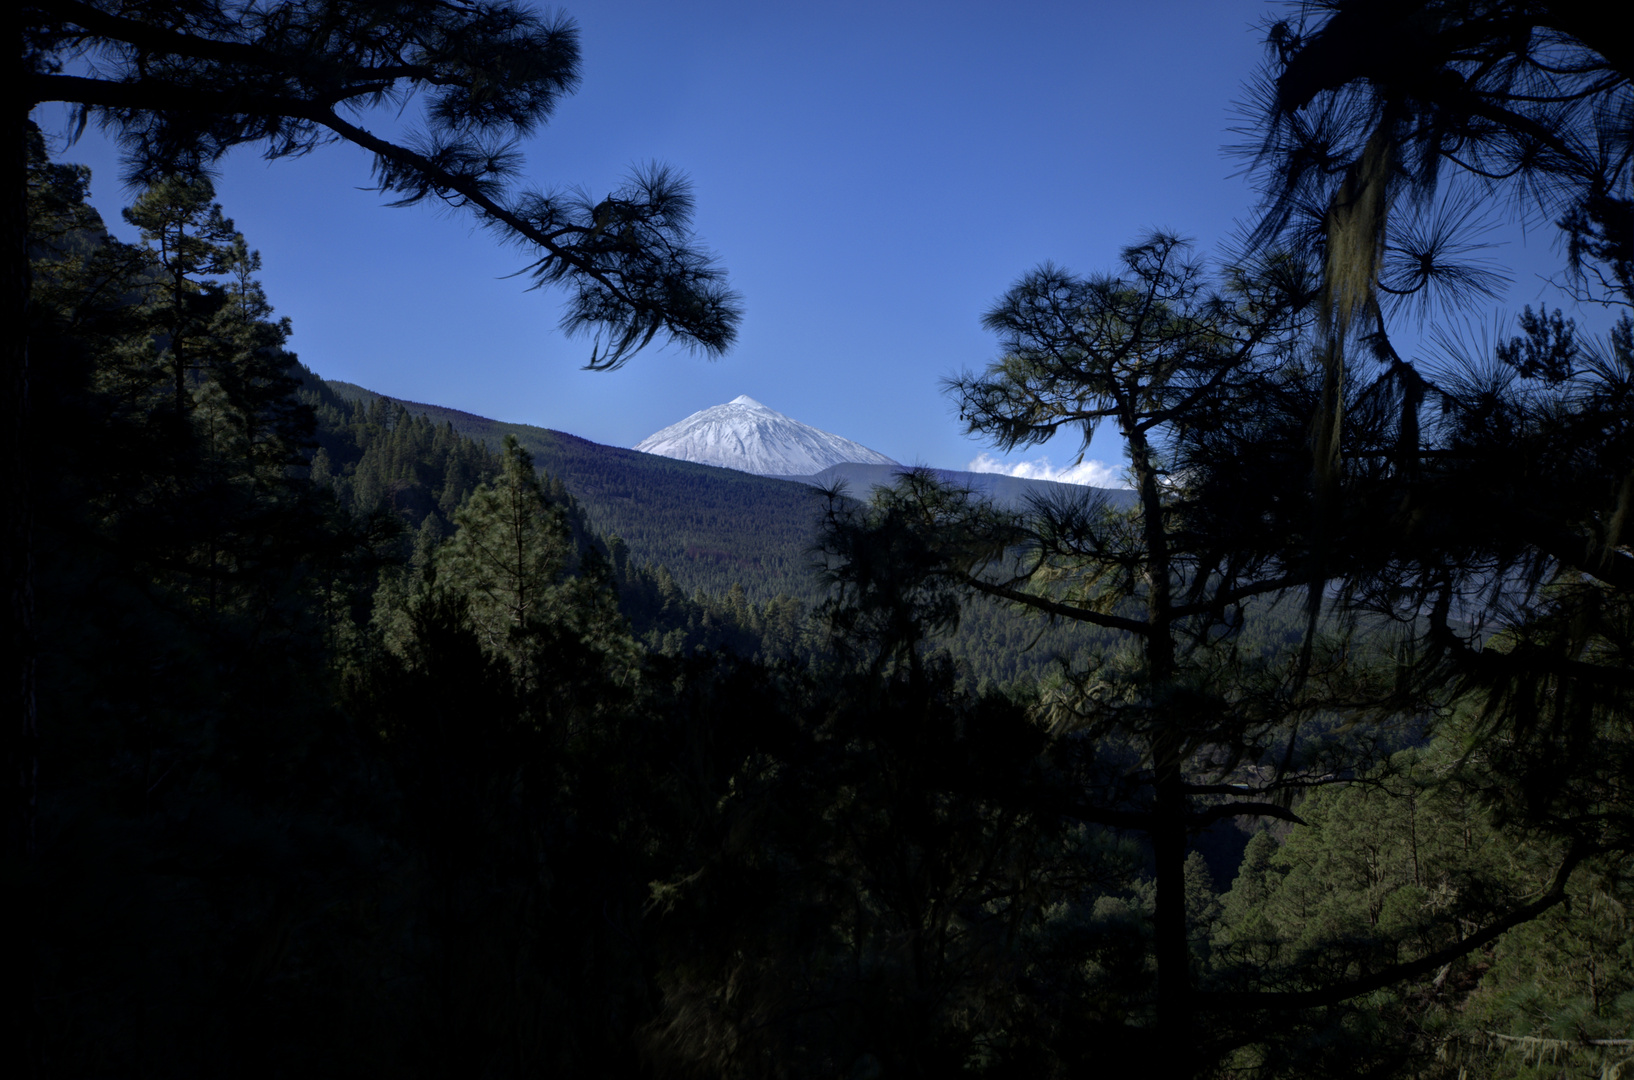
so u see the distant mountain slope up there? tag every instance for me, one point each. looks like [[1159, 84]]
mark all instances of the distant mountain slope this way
[[1011, 491], [711, 527], [744, 434]]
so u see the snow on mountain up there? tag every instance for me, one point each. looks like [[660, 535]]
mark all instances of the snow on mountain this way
[[745, 435]]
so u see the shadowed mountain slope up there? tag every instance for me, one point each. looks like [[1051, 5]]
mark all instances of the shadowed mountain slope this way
[[711, 527]]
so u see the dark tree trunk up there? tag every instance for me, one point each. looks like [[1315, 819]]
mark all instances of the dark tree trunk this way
[[1174, 990], [22, 1028], [23, 759], [1170, 803]]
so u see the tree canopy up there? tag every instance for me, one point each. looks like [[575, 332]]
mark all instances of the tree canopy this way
[[181, 84], [1487, 494]]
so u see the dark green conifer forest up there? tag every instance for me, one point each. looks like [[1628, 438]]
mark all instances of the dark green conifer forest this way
[[351, 743]]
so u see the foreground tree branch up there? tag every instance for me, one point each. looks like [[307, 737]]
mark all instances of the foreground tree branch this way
[[1289, 1000]]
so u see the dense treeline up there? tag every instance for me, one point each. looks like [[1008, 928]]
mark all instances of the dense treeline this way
[[362, 751], [383, 457], [407, 478]]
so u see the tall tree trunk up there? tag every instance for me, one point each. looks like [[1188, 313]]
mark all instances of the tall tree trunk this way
[[23, 1029], [23, 727], [1168, 835], [1174, 990]]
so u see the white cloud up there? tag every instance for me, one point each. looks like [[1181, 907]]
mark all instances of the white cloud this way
[[1091, 473]]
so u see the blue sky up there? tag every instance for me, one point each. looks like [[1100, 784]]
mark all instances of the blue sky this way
[[873, 176]]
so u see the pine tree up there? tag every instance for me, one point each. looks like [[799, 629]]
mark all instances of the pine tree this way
[[508, 555], [1242, 909], [1484, 507], [191, 242], [1210, 383]]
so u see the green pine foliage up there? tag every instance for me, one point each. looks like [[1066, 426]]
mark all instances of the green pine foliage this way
[[1396, 868], [1558, 997], [507, 570], [380, 456]]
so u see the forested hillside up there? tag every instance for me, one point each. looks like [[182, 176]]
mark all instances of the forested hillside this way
[[713, 528], [354, 742], [414, 463]]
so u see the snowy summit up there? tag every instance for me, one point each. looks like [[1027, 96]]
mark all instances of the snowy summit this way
[[745, 435]]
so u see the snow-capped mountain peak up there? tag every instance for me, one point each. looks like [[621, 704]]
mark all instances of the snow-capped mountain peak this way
[[745, 435]]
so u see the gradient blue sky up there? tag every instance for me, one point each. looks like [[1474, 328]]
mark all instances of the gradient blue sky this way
[[873, 176]]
